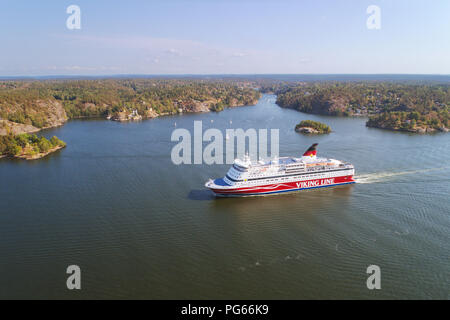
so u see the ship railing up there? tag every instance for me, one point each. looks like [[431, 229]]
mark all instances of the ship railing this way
[[319, 168], [346, 165]]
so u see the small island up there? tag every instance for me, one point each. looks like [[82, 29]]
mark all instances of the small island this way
[[312, 127], [28, 146]]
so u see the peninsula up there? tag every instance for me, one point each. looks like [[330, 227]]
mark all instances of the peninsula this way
[[27, 146], [29, 106]]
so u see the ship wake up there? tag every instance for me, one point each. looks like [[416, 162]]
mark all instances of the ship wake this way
[[386, 176]]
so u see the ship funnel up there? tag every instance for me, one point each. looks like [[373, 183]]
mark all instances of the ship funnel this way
[[311, 152]]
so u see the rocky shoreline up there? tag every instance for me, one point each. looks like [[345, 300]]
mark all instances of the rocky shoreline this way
[[370, 123], [121, 116], [307, 130], [28, 146], [38, 155], [408, 107], [312, 127], [418, 130], [28, 107], [195, 107], [9, 128]]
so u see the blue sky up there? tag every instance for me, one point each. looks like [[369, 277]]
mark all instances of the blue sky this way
[[231, 37]]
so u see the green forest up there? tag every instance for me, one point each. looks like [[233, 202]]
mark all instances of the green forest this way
[[34, 102], [316, 125], [28, 145], [389, 105], [415, 107], [27, 106]]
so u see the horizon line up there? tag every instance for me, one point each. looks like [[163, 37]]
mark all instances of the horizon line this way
[[2, 77]]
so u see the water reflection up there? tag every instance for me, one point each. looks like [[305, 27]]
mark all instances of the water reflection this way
[[201, 195], [300, 201]]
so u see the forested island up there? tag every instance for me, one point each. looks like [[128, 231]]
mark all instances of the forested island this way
[[28, 146], [388, 105], [312, 127]]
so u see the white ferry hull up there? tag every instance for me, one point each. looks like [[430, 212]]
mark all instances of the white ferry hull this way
[[285, 174], [279, 187]]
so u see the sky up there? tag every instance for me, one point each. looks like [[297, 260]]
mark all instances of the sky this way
[[224, 37]]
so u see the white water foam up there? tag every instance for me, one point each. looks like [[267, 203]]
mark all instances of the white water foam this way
[[384, 176]]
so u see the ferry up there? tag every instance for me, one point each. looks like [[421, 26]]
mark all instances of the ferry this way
[[247, 178]]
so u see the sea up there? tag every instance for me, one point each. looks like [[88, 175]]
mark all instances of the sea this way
[[139, 226]]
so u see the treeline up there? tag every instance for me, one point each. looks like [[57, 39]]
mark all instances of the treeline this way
[[388, 104], [411, 121], [32, 102], [22, 102], [27, 145]]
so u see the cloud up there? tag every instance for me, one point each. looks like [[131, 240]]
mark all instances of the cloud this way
[[89, 54], [304, 60], [78, 68], [239, 54], [173, 51]]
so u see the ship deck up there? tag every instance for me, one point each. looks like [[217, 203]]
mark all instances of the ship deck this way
[[286, 161]]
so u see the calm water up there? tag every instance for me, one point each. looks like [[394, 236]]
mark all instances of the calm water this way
[[140, 227]]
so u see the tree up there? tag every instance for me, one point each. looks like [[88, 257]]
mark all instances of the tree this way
[[56, 142], [44, 145], [14, 150]]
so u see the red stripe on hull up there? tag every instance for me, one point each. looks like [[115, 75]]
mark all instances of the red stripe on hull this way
[[285, 186]]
